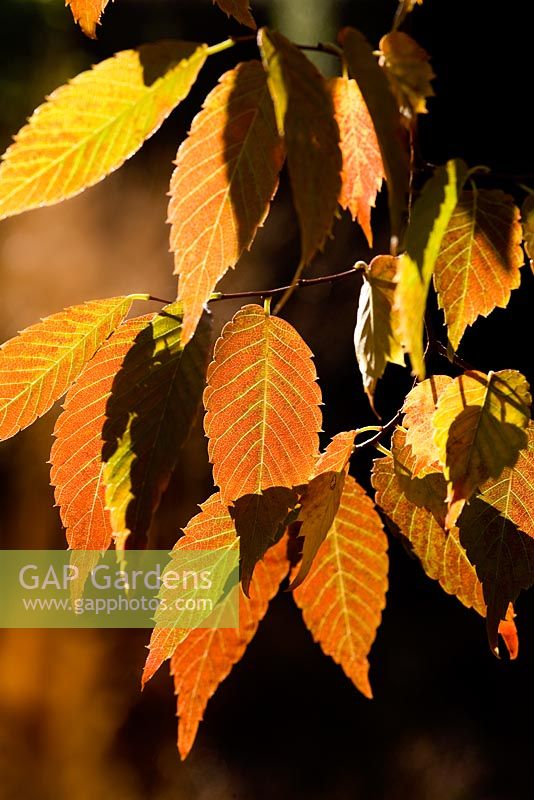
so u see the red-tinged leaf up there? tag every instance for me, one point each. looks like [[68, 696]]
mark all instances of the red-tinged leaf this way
[[479, 260], [38, 366], [385, 115], [527, 213], [419, 407], [235, 143], [344, 595], [406, 501], [90, 126], [203, 660], [305, 117], [76, 456], [375, 340], [87, 14], [212, 529], [479, 429], [239, 9], [428, 224], [407, 66], [262, 406], [260, 521], [363, 171], [154, 400], [320, 499]]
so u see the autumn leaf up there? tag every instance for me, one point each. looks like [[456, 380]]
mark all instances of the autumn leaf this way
[[234, 140], [262, 406], [479, 429], [418, 408], [479, 260], [76, 455], [211, 530], [382, 107], [153, 403], [527, 214], [89, 127], [428, 224], [87, 14], [320, 499], [239, 9], [305, 117], [407, 66], [345, 592], [38, 366], [375, 341], [363, 171], [203, 660]]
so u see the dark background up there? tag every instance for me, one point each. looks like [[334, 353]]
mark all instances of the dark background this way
[[449, 721]]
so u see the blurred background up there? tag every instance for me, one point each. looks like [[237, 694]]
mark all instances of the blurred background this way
[[448, 722]]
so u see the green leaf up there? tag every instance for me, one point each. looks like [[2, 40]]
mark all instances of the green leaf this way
[[305, 117], [89, 127], [428, 224], [382, 106], [153, 404]]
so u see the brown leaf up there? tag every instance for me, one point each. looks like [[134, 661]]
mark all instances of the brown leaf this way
[[527, 212], [239, 9], [407, 66]]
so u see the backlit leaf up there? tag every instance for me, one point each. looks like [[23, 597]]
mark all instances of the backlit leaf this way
[[479, 260], [154, 401], [363, 170], [374, 338], [90, 126], [305, 117], [76, 456], [320, 499], [419, 407], [212, 529], [343, 596], [38, 366], [239, 9], [87, 14], [385, 115], [235, 144], [479, 429], [262, 406], [203, 660], [408, 69], [527, 213], [428, 224]]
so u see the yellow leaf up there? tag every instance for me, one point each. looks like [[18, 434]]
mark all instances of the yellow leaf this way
[[419, 407], [408, 69], [90, 126], [305, 117], [235, 144], [428, 224], [38, 366]]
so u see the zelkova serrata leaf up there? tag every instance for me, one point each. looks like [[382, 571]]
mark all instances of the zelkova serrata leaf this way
[[89, 127], [87, 14], [235, 143]]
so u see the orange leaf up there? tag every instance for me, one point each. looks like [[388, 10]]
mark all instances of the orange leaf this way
[[76, 456], [89, 127], [363, 170], [385, 115], [375, 340], [345, 592], [305, 116], [407, 67], [527, 212], [211, 529], [87, 14], [479, 427], [38, 366], [262, 406], [419, 407], [239, 9], [203, 660], [321, 497], [479, 260], [235, 144]]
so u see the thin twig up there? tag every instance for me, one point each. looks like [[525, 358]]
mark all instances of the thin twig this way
[[320, 47], [382, 432]]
